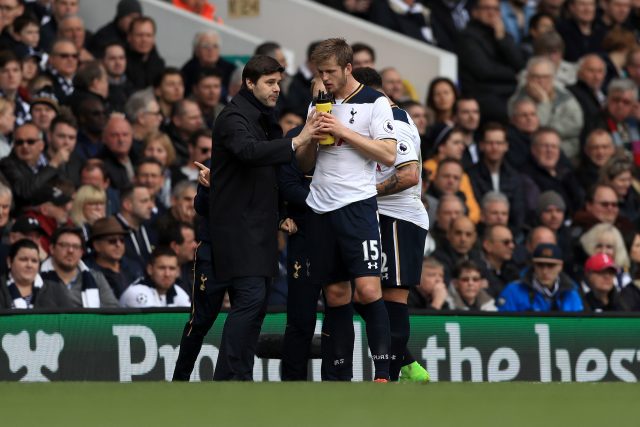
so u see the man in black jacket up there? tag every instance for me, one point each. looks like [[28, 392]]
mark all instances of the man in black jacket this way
[[144, 64], [244, 207], [489, 60]]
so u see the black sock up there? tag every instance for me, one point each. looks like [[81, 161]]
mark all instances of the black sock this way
[[408, 357], [399, 324], [378, 335], [337, 344]]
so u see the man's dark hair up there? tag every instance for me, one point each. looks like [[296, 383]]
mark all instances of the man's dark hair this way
[[7, 57], [267, 48], [405, 105], [368, 77], [466, 265], [127, 192], [448, 160], [63, 119], [168, 71], [536, 18], [148, 160], [160, 251], [174, 234], [92, 164], [490, 127], [359, 47], [591, 193], [258, 66], [23, 20], [311, 48], [76, 231], [200, 133], [22, 243], [103, 50], [142, 20], [205, 73]]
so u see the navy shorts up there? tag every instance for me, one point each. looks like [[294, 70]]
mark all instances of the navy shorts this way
[[344, 244], [402, 252]]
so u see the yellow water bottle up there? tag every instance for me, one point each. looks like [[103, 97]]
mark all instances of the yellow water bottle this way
[[323, 104]]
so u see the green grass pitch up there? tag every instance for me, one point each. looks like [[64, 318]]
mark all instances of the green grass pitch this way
[[157, 404]]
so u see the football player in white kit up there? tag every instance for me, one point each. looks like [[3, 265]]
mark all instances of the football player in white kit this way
[[343, 224], [404, 224]]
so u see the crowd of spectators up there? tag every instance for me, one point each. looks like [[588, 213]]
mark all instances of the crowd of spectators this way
[[530, 157]]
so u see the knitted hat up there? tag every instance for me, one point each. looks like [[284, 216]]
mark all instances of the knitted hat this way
[[550, 198], [127, 7]]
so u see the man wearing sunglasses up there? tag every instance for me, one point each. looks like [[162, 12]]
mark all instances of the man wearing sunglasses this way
[[26, 168], [544, 288], [63, 65], [107, 240]]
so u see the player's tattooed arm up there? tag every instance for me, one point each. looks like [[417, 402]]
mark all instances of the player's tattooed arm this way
[[406, 176]]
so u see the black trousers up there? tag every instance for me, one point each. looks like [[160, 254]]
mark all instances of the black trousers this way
[[206, 301], [302, 302], [241, 331]]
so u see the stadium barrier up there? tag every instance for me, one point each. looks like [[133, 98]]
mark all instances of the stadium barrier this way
[[114, 345]]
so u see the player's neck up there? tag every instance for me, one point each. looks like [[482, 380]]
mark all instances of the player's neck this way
[[350, 87]]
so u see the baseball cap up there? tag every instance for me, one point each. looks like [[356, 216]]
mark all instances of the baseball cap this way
[[600, 262], [51, 194], [26, 224], [548, 253]]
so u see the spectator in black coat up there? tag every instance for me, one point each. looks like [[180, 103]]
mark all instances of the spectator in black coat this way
[[497, 253], [588, 88], [116, 30], [523, 123], [581, 32], [186, 118], [550, 213], [92, 118], [144, 63], [449, 18], [299, 96], [63, 65], [598, 150], [115, 63], [460, 245], [62, 135], [206, 54], [492, 173], [26, 170], [48, 31], [548, 173], [116, 154], [489, 60]]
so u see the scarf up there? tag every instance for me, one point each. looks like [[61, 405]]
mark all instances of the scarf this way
[[65, 85], [90, 293], [268, 121], [18, 301]]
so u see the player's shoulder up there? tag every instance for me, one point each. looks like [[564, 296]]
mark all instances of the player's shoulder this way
[[366, 95], [400, 115]]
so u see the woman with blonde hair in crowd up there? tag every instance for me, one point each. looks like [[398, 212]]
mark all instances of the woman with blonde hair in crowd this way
[[606, 238], [7, 124], [158, 145], [89, 205]]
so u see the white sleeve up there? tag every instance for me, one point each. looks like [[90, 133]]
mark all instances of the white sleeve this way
[[382, 124], [405, 147], [181, 299], [137, 296]]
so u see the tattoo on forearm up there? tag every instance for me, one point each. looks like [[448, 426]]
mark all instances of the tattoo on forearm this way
[[388, 186], [398, 182]]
